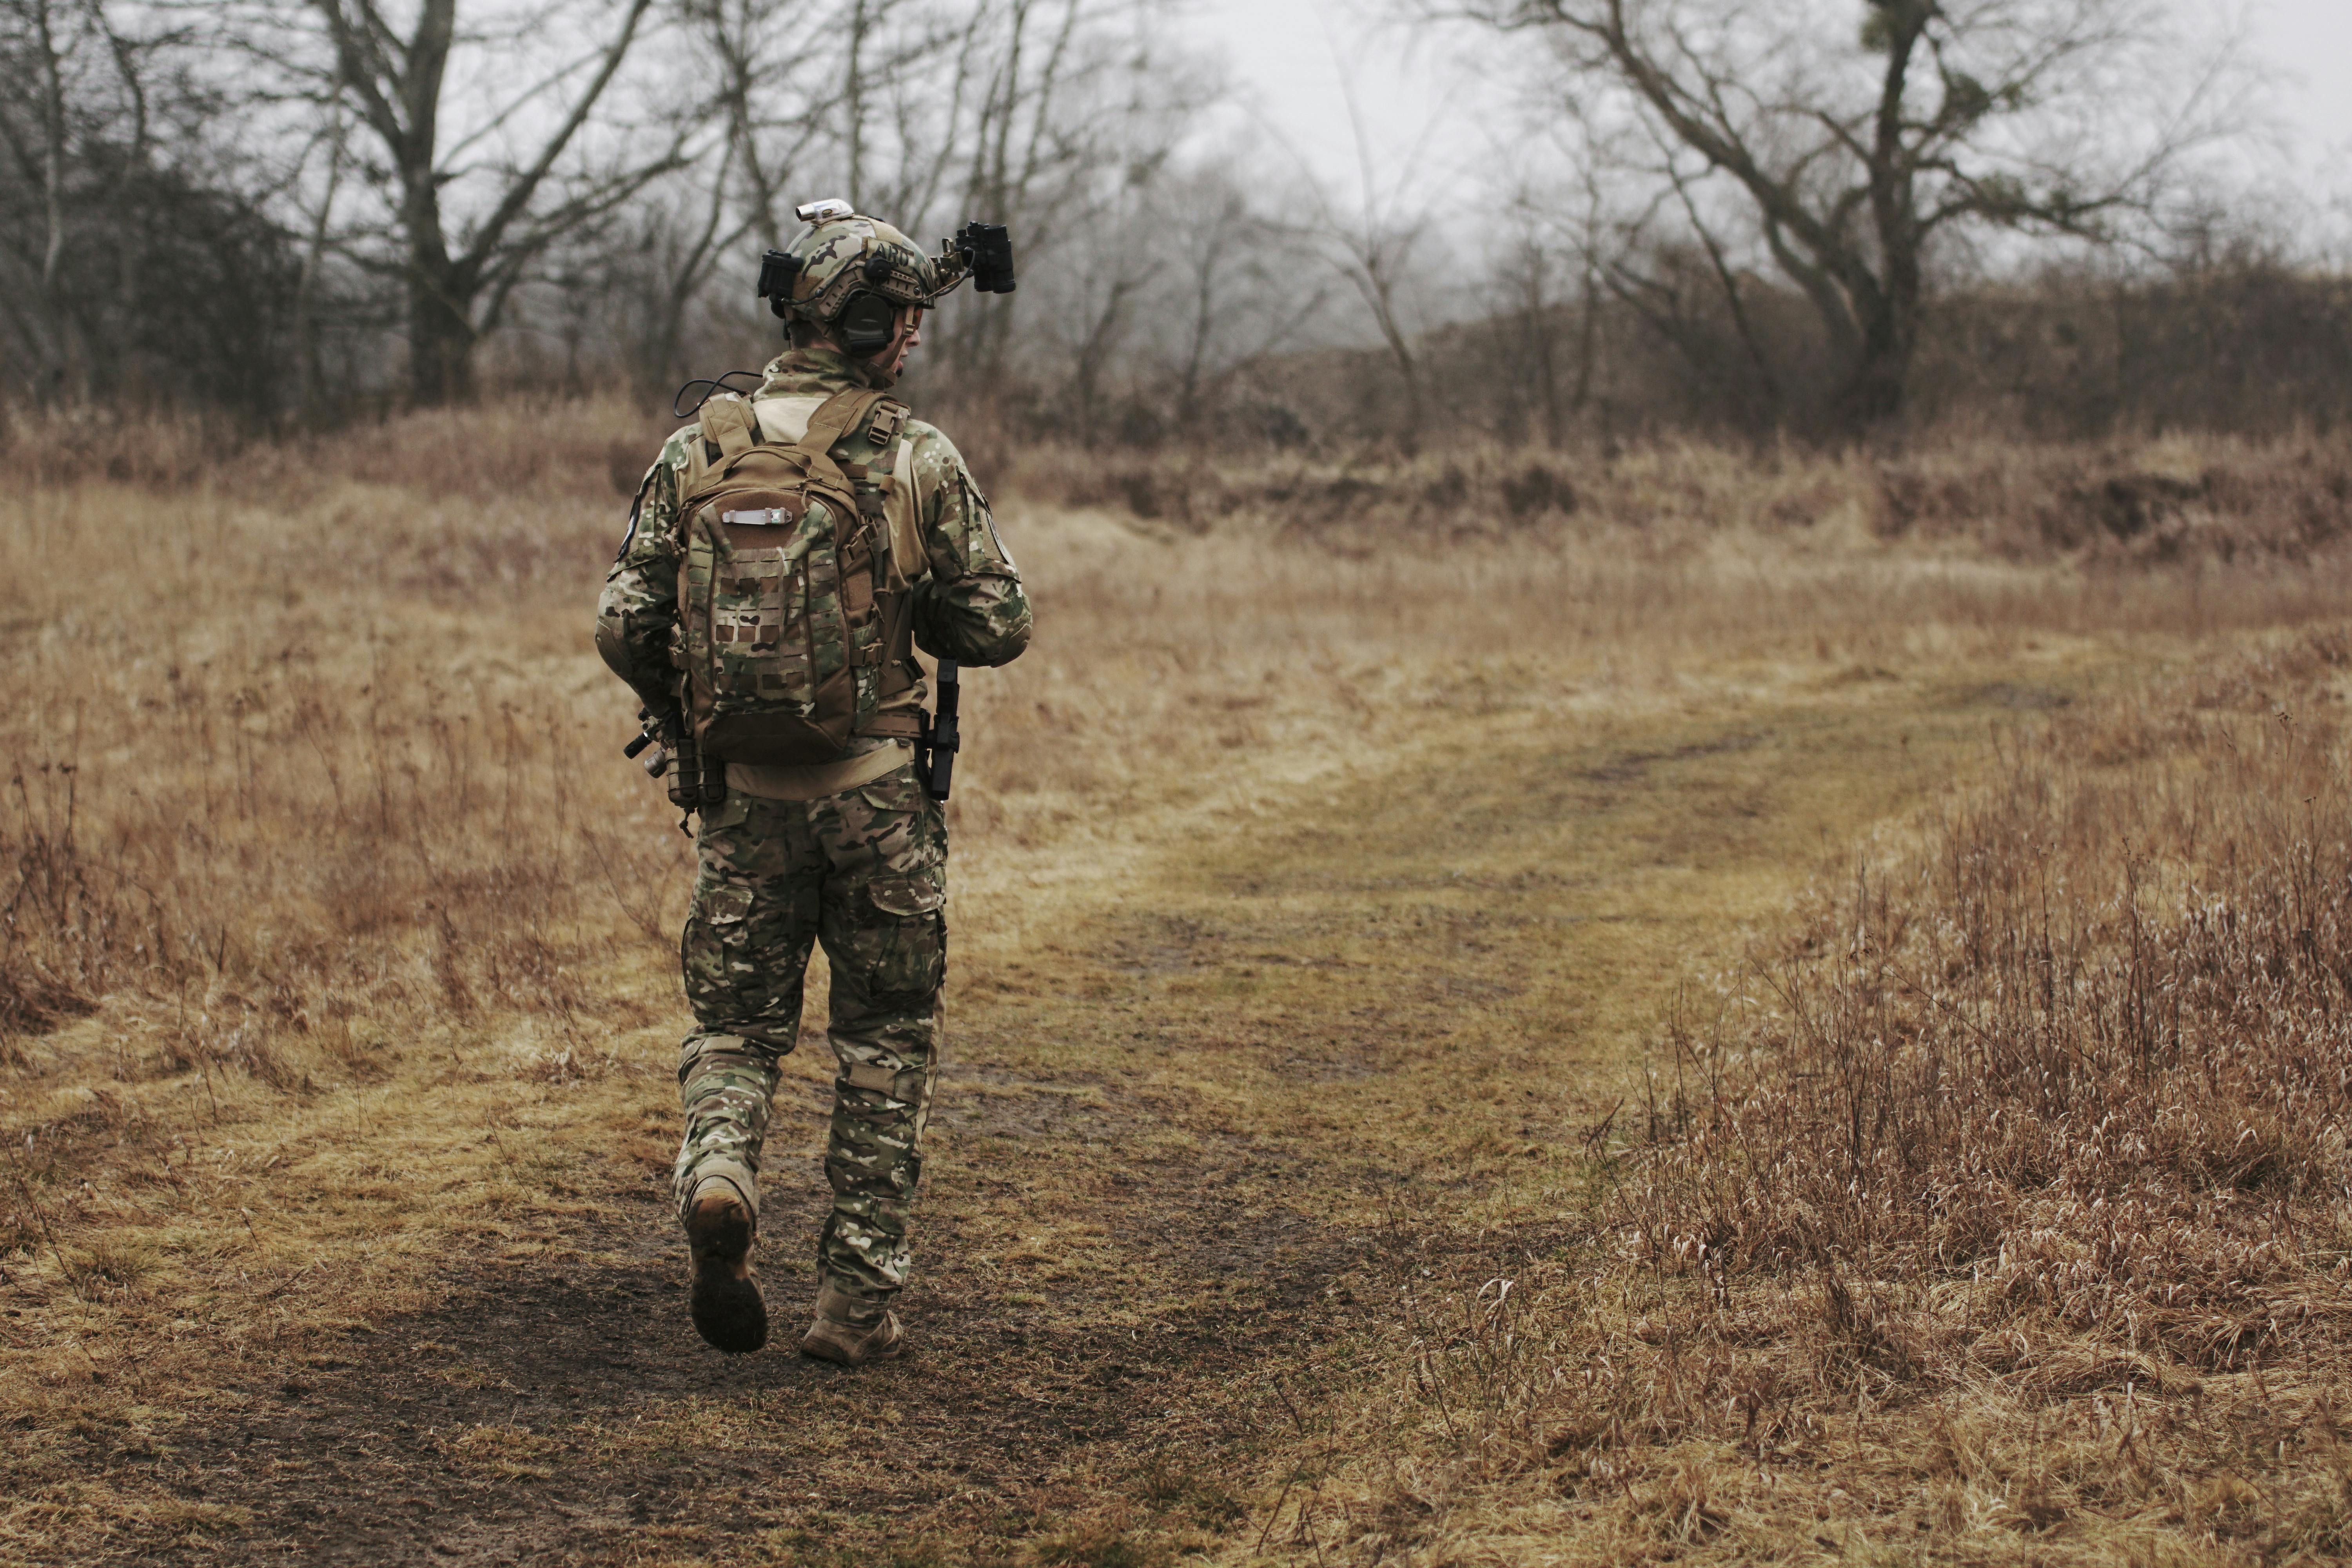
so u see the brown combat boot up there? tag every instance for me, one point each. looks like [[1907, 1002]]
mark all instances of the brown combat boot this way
[[850, 1329], [727, 1309]]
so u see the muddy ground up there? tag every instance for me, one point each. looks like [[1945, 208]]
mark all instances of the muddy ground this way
[[506, 1425]]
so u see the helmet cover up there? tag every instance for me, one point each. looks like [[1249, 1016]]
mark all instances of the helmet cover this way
[[839, 257]]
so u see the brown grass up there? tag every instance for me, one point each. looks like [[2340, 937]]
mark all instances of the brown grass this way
[[2146, 503], [2004, 1213], [336, 953]]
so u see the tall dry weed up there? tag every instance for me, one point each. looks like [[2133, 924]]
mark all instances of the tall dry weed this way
[[2091, 1054], [548, 445], [2018, 1183], [299, 785], [301, 723], [2164, 501]]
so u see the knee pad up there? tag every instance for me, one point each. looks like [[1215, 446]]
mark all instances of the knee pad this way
[[908, 1086]]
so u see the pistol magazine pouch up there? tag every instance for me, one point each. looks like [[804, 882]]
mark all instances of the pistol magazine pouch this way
[[795, 622]]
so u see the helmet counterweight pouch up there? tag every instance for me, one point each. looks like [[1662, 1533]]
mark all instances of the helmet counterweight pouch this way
[[777, 270], [788, 635]]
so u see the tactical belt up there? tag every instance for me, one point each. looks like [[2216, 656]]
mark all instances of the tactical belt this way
[[814, 781]]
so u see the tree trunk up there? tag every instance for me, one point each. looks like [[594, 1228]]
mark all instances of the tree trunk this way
[[440, 348], [440, 292], [400, 100], [440, 329], [1879, 372], [1588, 340], [55, 335], [1873, 393], [310, 370]]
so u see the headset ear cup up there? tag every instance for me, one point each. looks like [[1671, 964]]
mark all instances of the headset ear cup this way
[[866, 324]]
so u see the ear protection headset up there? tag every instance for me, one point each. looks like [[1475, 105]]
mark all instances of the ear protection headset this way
[[866, 324], [867, 321]]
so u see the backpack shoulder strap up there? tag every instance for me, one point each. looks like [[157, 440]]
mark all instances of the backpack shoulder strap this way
[[727, 425], [727, 432], [838, 415]]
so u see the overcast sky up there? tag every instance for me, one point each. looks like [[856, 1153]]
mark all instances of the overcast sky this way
[[1289, 55]]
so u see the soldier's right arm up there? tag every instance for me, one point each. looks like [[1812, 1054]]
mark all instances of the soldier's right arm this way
[[637, 611]]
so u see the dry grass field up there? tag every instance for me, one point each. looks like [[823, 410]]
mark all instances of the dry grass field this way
[[1636, 1006]]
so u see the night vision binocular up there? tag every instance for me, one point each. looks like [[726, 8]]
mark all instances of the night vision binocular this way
[[983, 250]]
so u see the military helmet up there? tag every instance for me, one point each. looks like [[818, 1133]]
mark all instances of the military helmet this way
[[852, 274], [841, 267]]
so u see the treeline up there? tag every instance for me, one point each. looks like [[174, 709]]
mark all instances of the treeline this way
[[296, 210], [2251, 344]]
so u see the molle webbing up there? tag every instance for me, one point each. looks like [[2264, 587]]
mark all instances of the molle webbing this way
[[895, 648], [771, 683]]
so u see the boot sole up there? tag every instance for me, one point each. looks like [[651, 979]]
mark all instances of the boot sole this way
[[727, 1311]]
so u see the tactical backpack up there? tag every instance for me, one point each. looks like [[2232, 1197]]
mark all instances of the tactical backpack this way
[[788, 581]]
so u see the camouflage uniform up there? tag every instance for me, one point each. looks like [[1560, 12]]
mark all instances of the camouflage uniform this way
[[862, 870]]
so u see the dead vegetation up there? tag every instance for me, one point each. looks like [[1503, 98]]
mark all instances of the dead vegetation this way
[[2206, 500], [2005, 1213], [334, 953]]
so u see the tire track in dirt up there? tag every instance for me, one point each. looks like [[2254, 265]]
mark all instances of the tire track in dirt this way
[[1170, 1159]]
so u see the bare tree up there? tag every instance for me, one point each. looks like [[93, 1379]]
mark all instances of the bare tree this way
[[331, 145], [1114, 293], [1527, 330], [776, 85], [1372, 242], [1241, 287], [458, 270], [1068, 102], [1373, 250], [653, 265], [1057, 116], [83, 78], [138, 250], [1685, 286], [1853, 156]]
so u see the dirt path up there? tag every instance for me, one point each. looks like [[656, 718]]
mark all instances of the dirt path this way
[[552, 1416], [1189, 1148]]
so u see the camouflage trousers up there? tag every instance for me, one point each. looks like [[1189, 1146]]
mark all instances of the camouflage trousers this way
[[864, 872]]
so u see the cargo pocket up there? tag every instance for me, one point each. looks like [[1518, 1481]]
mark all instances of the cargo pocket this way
[[905, 938], [727, 906], [713, 926], [908, 829]]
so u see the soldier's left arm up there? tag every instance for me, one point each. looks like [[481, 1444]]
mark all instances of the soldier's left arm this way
[[971, 606]]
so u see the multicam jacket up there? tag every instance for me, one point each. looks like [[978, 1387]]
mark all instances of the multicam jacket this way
[[969, 605]]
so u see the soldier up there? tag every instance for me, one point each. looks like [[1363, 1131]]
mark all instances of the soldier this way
[[849, 852]]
